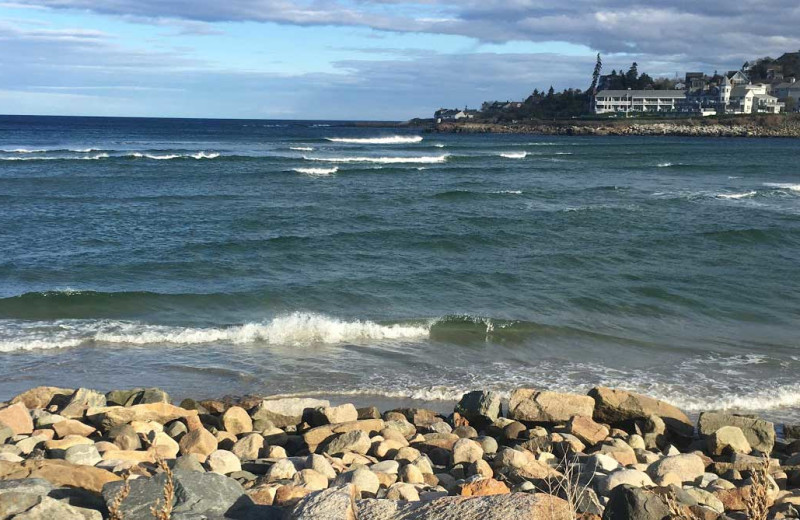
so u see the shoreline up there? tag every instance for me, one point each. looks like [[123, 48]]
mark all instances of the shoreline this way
[[763, 127], [612, 454]]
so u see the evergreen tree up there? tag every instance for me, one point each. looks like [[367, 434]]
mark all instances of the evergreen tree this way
[[598, 67]]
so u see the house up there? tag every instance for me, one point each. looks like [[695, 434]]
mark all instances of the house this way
[[445, 114], [787, 89], [741, 98], [737, 77], [610, 101]]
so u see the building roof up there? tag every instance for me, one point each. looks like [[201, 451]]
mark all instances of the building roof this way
[[675, 94]]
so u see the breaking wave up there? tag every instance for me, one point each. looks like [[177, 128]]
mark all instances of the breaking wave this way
[[301, 148], [743, 195], [433, 159], [395, 139], [783, 186], [167, 157], [316, 171], [514, 155]]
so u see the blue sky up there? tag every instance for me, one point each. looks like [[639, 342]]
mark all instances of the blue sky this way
[[353, 59]]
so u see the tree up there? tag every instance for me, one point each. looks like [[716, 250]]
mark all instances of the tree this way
[[632, 75], [598, 67], [551, 92]]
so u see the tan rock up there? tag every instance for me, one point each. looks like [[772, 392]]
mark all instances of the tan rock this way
[[146, 427], [310, 479], [72, 427], [108, 417], [67, 442], [130, 455], [47, 434], [728, 440], [223, 462], [316, 436], [249, 447], [529, 405], [58, 473], [288, 495], [164, 446], [615, 406], [587, 430], [198, 442], [483, 487], [18, 418], [263, 494], [236, 421], [41, 396]]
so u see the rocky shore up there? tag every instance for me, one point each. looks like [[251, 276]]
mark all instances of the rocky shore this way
[[687, 128], [83, 455]]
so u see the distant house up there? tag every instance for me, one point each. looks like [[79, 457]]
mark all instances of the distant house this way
[[788, 89], [737, 77], [446, 114], [612, 101], [746, 98]]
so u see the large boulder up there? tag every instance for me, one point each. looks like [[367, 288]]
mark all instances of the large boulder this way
[[137, 396], [619, 406], [108, 417], [196, 494], [337, 503], [285, 412], [58, 473], [480, 407], [28, 506], [17, 418], [42, 396], [80, 401], [728, 440], [319, 435], [686, 466], [534, 406], [760, 434], [516, 506], [633, 503]]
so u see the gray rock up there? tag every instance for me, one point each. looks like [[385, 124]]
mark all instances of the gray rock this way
[[480, 408], [616, 407], [629, 503], [5, 433], [27, 506], [355, 441], [83, 455], [188, 463], [337, 503], [80, 401], [285, 412], [196, 494], [137, 396], [759, 433], [36, 486], [534, 406]]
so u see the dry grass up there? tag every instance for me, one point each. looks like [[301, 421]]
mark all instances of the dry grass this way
[[114, 512], [164, 511], [677, 511], [757, 501], [569, 487]]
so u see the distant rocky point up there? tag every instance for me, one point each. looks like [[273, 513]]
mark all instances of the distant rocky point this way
[[80, 454]]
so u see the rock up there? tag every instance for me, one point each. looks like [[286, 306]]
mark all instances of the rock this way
[[760, 434], [199, 442], [83, 455], [42, 396], [522, 461], [480, 468], [688, 467], [533, 406], [489, 444], [587, 430], [27, 445], [5, 433], [629, 503], [288, 495], [365, 481], [337, 503], [236, 421], [28, 506], [619, 451], [285, 412], [129, 456], [483, 487], [334, 414], [402, 491], [108, 417], [188, 463], [319, 435], [728, 440], [223, 462], [440, 427], [248, 447], [17, 418], [67, 442], [72, 427], [516, 506], [321, 465], [81, 400], [310, 479], [164, 445], [706, 499], [283, 469], [368, 412], [480, 408], [465, 432], [197, 495], [58, 473], [629, 477], [386, 466], [125, 437], [355, 441], [411, 474], [419, 417], [466, 450], [618, 406]]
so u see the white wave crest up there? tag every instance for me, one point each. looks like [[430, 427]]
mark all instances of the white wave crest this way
[[296, 329], [316, 171], [58, 158], [783, 186], [439, 145], [301, 148], [514, 155], [395, 139], [744, 195], [383, 160], [24, 150], [508, 192], [167, 157]]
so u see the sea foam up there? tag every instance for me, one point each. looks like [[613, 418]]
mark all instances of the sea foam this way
[[383, 160], [783, 186], [395, 139], [514, 155], [316, 171], [743, 195]]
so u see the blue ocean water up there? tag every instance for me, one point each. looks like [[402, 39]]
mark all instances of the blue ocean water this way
[[281, 257]]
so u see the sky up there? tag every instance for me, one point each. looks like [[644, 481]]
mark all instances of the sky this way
[[355, 59]]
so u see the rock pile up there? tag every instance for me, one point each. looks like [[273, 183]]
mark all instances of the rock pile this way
[[611, 454]]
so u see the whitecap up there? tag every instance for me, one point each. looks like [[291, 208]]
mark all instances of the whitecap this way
[[508, 192], [664, 165], [395, 139], [783, 186], [736, 195], [514, 155], [301, 148], [316, 171], [383, 160]]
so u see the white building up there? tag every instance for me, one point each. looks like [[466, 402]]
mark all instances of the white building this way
[[747, 98], [612, 101]]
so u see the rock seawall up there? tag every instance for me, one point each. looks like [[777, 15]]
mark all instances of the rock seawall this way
[[610, 455]]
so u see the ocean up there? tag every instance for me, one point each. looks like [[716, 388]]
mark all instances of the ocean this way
[[213, 257]]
